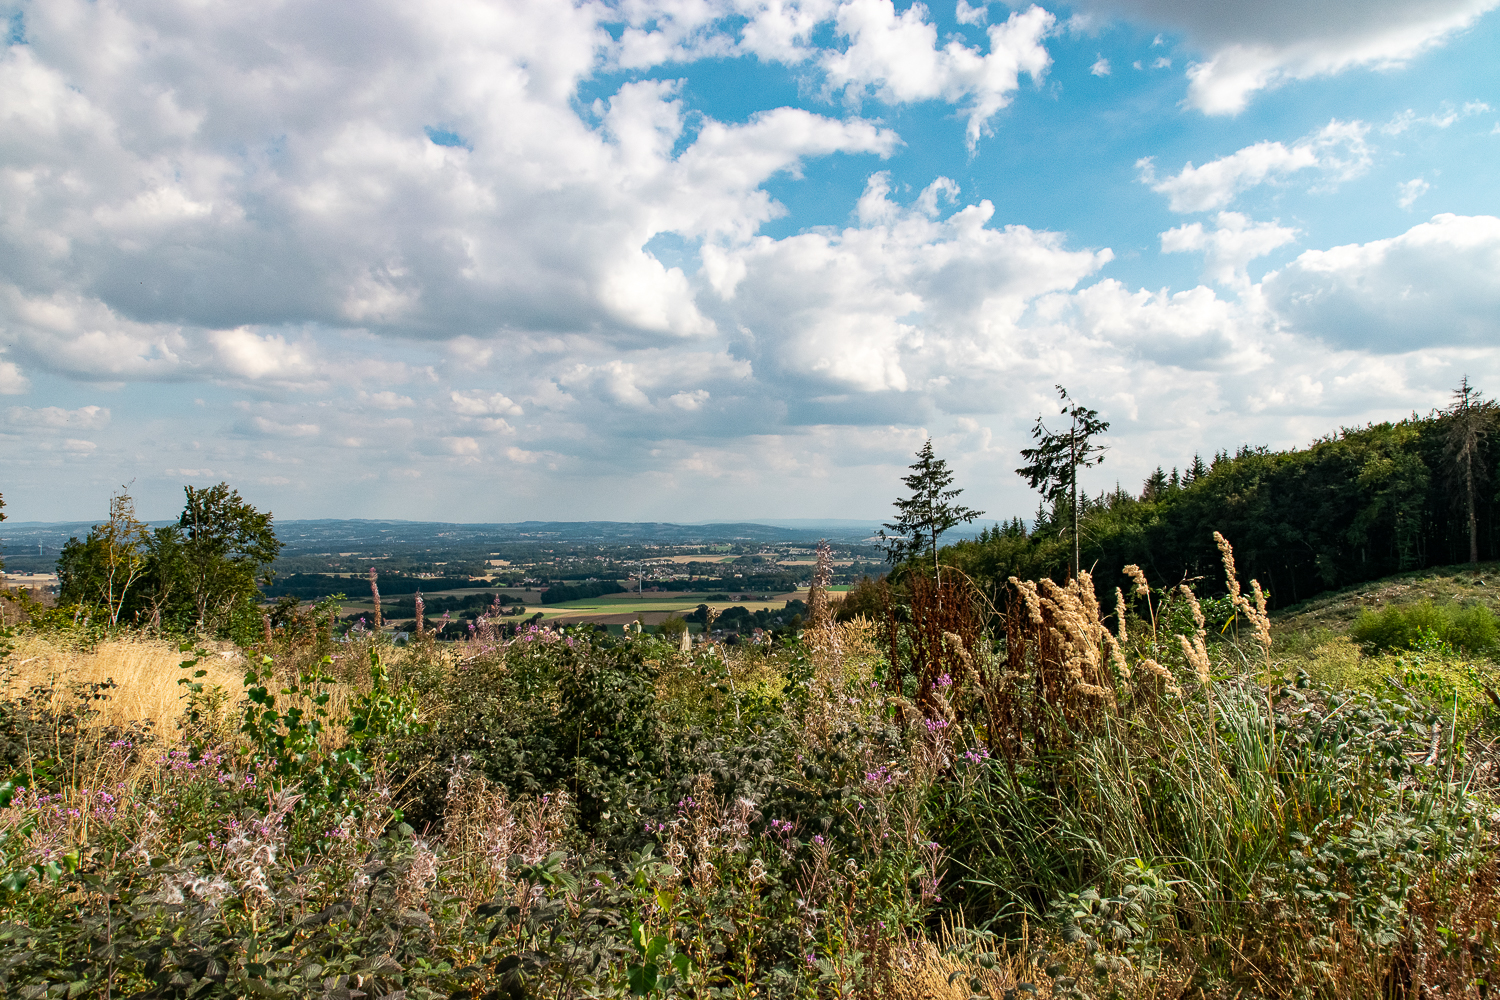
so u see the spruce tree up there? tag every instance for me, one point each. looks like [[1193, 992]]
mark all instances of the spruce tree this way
[[923, 517]]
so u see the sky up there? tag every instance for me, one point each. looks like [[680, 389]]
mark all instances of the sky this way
[[702, 260]]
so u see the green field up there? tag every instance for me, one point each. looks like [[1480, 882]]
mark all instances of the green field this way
[[610, 608], [653, 608]]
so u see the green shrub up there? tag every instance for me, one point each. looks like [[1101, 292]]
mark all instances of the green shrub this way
[[1471, 628], [575, 713]]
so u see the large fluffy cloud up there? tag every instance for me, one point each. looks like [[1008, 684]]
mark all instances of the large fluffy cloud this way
[[1436, 285], [898, 55], [895, 301], [221, 170], [1254, 46], [895, 55]]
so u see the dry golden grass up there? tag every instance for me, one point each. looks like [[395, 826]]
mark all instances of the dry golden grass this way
[[926, 970], [146, 670]]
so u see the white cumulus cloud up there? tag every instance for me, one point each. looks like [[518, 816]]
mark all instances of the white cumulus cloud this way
[[1249, 47], [897, 55], [871, 308], [1436, 285], [1235, 241]]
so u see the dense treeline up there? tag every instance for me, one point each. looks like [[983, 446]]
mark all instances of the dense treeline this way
[[313, 586], [1354, 506], [559, 593]]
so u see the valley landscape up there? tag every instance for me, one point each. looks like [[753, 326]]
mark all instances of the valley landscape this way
[[727, 765], [749, 500]]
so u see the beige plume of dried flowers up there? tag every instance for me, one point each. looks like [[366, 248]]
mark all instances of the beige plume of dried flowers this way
[[819, 611], [1117, 658], [1032, 600], [1080, 635], [1151, 668], [1124, 636], [971, 672], [375, 597], [1196, 651], [1254, 611], [1142, 589]]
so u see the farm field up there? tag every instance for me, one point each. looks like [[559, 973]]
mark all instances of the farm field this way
[[682, 560], [620, 609]]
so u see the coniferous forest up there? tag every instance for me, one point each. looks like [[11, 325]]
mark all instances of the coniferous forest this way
[[1357, 505]]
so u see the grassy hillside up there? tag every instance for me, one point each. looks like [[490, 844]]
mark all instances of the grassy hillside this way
[[1331, 614]]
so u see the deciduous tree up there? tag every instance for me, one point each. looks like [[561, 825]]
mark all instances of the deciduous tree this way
[[227, 547]]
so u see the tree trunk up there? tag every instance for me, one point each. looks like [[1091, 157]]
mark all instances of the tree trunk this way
[[1073, 465], [1473, 520]]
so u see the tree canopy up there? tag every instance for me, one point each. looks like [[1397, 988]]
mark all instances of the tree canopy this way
[[200, 573], [1356, 505]]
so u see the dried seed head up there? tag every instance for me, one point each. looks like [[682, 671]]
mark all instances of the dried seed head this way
[[1194, 606], [1197, 656], [1122, 668], [1028, 592], [1142, 588], [1151, 668], [1227, 552]]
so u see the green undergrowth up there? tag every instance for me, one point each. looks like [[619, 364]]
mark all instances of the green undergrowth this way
[[935, 806]]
